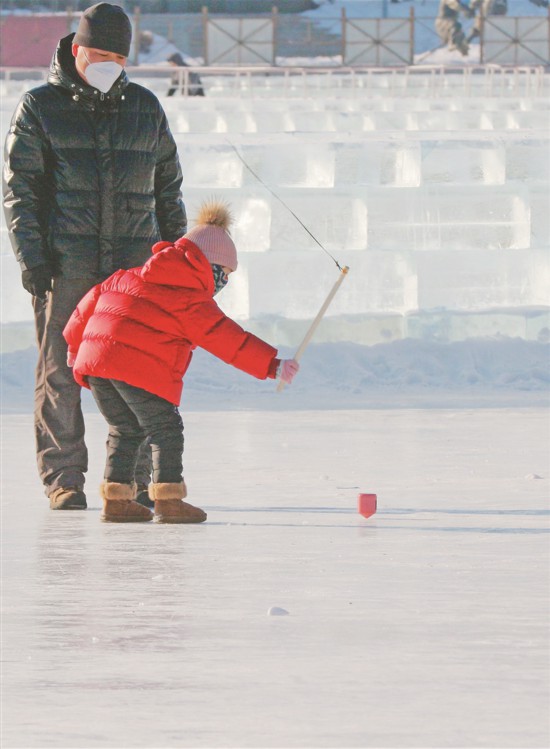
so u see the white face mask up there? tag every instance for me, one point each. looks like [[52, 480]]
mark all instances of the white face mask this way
[[102, 75]]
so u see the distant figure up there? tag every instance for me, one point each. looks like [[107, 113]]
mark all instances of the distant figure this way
[[448, 26], [146, 40], [195, 84], [483, 9]]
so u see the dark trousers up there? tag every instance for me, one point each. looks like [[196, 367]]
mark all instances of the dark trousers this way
[[134, 415], [61, 452]]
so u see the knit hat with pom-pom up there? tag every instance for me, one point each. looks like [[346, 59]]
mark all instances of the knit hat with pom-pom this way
[[211, 234]]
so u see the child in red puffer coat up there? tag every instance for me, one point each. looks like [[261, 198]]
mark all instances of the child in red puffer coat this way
[[130, 341]]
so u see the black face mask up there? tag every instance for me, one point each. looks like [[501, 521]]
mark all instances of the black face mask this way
[[220, 278]]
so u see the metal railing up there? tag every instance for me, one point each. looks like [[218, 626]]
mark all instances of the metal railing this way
[[403, 37], [428, 80]]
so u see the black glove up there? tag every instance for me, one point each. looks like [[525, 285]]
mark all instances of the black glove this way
[[37, 281]]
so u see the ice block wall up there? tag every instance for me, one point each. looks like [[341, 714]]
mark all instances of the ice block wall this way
[[440, 205]]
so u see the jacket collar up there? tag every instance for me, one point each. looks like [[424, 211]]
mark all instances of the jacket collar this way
[[63, 73]]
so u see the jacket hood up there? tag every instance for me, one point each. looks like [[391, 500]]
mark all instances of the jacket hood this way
[[181, 264], [63, 73]]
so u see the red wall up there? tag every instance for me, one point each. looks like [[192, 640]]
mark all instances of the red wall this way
[[30, 41]]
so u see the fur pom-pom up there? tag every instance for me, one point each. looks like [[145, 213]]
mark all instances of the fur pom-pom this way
[[216, 213]]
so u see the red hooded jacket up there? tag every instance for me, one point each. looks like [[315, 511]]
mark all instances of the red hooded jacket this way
[[141, 325]]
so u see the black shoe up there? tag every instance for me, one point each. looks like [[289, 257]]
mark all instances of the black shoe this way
[[142, 497], [68, 498]]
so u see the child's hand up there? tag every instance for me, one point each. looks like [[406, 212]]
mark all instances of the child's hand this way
[[287, 370]]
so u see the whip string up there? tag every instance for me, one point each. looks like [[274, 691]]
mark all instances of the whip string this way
[[260, 180]]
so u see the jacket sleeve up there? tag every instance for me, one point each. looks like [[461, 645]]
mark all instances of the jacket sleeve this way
[[74, 329], [25, 186], [170, 209], [208, 327]]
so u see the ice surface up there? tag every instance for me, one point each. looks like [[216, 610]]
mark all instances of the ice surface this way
[[308, 116], [17, 336], [214, 166], [528, 160], [463, 162], [366, 329], [379, 282], [498, 324], [540, 215], [289, 163], [15, 301], [378, 162], [337, 220], [425, 625], [479, 280], [445, 217]]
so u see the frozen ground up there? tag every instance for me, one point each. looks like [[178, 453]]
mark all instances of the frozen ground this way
[[424, 626]]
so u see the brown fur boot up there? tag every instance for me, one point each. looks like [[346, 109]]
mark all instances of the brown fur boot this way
[[169, 507], [119, 505]]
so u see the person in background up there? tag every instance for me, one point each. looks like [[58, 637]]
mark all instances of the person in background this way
[[130, 340], [194, 87], [448, 26], [483, 9], [91, 180]]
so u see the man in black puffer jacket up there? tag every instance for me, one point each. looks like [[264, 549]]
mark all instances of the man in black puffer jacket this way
[[91, 181]]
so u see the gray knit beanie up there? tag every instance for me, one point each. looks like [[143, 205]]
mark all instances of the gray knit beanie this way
[[105, 26]]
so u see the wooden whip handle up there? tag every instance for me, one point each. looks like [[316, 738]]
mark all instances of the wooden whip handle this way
[[312, 328]]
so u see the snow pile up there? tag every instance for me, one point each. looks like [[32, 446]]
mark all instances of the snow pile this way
[[346, 375], [401, 373]]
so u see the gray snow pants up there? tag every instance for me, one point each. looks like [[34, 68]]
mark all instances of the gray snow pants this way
[[133, 415], [61, 452]]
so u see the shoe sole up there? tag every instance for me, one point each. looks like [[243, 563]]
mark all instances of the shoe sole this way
[[107, 519], [177, 521], [70, 507]]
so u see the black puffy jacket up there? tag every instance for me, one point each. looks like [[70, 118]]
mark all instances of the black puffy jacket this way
[[91, 180]]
